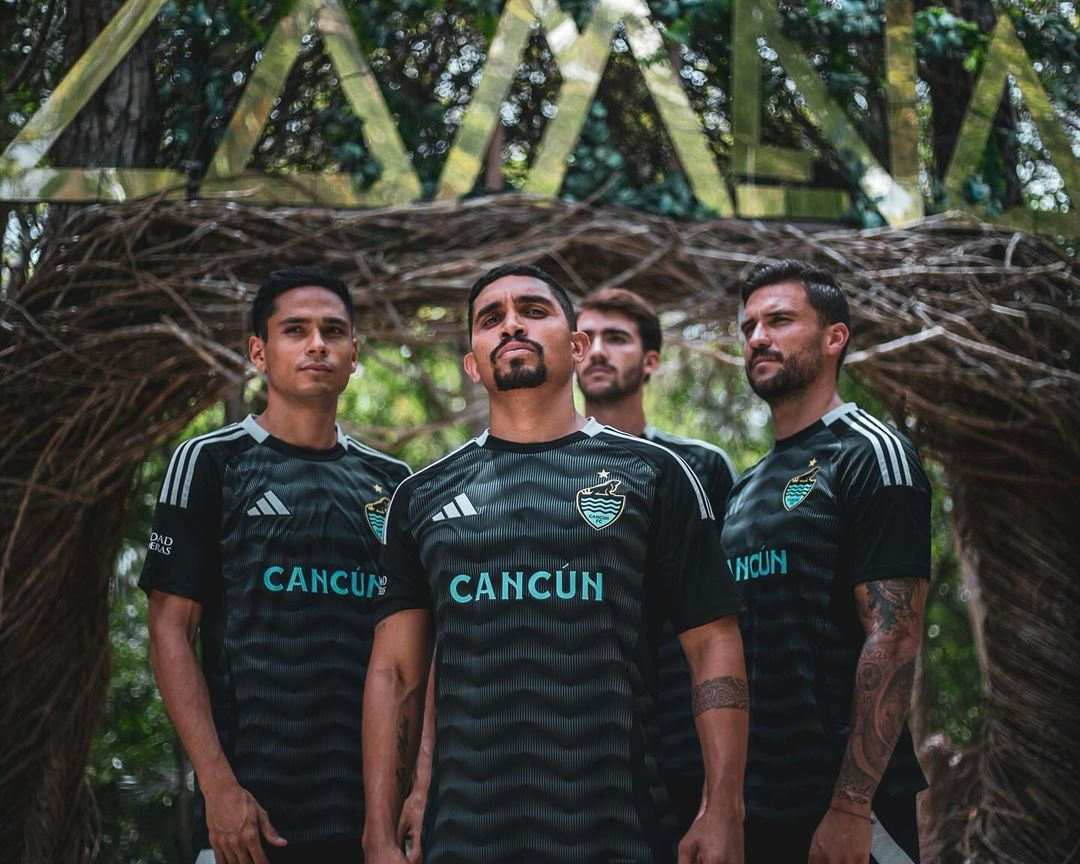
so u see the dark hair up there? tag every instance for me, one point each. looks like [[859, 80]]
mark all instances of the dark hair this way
[[280, 281], [532, 271], [824, 293], [633, 306]]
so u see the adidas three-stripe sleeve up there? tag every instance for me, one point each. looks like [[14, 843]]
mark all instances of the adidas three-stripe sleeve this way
[[406, 583], [183, 552]]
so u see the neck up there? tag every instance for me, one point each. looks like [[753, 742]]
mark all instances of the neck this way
[[533, 415], [795, 411], [311, 426], [626, 415]]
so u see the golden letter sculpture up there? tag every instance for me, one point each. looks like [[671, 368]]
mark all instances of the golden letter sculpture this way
[[581, 58]]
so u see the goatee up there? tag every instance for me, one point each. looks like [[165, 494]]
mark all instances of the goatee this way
[[521, 377]]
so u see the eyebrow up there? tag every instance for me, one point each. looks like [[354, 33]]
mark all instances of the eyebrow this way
[[300, 319], [518, 300]]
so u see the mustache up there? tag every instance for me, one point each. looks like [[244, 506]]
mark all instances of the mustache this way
[[765, 354], [521, 340], [600, 364]]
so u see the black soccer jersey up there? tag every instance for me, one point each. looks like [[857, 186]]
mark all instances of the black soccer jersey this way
[[680, 748], [279, 545], [841, 502], [548, 568]]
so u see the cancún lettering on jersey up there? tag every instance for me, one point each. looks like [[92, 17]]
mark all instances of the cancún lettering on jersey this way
[[315, 580], [514, 585], [766, 562]]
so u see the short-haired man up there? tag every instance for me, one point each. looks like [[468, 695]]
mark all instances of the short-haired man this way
[[265, 543], [828, 538], [624, 351], [539, 559]]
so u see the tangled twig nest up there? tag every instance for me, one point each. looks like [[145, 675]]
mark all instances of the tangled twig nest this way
[[133, 323]]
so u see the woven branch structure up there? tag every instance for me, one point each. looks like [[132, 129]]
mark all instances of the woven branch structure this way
[[967, 333]]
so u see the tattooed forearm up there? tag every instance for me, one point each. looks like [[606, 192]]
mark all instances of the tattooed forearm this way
[[401, 772], [891, 611], [726, 692], [894, 605]]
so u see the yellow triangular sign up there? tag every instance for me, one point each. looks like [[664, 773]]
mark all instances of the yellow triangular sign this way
[[20, 177], [1006, 56], [226, 175]]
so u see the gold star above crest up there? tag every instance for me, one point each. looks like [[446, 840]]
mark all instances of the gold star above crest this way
[[813, 462], [603, 474], [378, 488]]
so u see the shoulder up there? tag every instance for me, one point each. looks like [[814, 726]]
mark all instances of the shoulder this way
[[394, 467], [434, 471], [669, 464], [874, 452], [702, 456], [203, 456]]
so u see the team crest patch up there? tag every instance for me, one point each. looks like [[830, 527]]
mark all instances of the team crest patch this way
[[599, 505], [376, 515], [799, 486]]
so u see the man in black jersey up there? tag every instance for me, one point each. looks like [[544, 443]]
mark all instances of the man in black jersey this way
[[539, 559], [624, 351], [264, 544], [828, 538]]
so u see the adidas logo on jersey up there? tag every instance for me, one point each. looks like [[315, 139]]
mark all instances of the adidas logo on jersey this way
[[268, 504], [460, 506]]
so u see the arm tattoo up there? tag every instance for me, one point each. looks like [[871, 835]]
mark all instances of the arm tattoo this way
[[403, 774], [892, 616], [726, 692], [891, 605]]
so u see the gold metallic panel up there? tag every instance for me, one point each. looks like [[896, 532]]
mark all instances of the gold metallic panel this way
[[226, 175], [21, 180], [1006, 56], [749, 155], [582, 65], [466, 158], [894, 202], [754, 201], [900, 71]]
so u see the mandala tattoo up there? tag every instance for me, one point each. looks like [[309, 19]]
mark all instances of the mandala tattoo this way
[[726, 692]]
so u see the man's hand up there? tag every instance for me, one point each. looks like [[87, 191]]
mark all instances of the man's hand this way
[[411, 823], [384, 855], [237, 823], [714, 838], [843, 837]]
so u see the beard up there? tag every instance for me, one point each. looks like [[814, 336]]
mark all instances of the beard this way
[[617, 388], [520, 376], [796, 373]]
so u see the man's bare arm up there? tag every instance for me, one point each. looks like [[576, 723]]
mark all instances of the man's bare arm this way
[[891, 611], [233, 817], [721, 713], [412, 811], [393, 705]]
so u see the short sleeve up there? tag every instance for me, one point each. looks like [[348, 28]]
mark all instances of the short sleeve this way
[[183, 550], [405, 584], [717, 486], [885, 519], [687, 554]]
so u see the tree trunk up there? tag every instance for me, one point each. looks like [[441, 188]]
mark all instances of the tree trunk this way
[[120, 126]]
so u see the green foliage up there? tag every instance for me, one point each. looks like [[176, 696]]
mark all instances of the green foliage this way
[[135, 768], [952, 691]]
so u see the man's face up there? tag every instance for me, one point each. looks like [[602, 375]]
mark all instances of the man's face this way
[[309, 351], [616, 365], [785, 345], [520, 336]]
